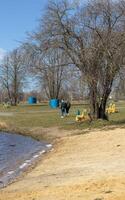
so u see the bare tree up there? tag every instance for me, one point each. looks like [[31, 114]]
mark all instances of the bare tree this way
[[93, 37], [48, 65], [13, 73], [51, 71], [6, 76]]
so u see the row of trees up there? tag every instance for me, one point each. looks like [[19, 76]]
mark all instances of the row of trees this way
[[87, 37], [51, 78], [13, 74]]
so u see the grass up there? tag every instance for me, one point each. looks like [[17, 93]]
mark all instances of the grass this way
[[24, 118], [38, 115]]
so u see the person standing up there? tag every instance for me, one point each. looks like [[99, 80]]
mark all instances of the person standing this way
[[63, 108], [68, 105]]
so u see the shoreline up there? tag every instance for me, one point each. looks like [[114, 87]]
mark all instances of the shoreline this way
[[23, 166], [89, 166]]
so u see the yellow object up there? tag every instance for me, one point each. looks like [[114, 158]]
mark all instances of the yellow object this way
[[112, 108], [83, 117]]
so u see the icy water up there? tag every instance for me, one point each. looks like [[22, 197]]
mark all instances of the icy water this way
[[16, 154]]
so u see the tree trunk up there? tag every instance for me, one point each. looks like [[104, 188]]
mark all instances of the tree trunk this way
[[98, 109], [94, 106], [15, 101], [102, 111]]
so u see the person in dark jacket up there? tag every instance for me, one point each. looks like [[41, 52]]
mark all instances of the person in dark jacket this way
[[63, 108], [68, 105]]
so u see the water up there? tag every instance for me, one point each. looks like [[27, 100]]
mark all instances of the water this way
[[16, 154]]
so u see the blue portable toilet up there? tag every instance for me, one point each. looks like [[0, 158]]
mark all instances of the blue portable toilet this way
[[54, 103], [32, 100]]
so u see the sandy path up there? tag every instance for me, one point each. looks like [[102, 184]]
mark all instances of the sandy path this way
[[84, 167]]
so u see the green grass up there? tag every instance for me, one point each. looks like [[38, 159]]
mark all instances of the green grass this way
[[23, 118], [38, 115]]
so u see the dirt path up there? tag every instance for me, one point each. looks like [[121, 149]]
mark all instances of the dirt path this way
[[83, 167]]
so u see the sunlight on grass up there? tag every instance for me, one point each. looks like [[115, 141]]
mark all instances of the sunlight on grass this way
[[33, 116]]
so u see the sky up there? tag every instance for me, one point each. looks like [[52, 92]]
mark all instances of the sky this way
[[17, 17]]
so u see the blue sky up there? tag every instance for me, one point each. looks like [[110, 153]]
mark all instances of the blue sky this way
[[16, 18]]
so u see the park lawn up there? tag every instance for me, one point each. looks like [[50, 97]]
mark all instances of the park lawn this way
[[38, 115], [78, 167], [24, 118]]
